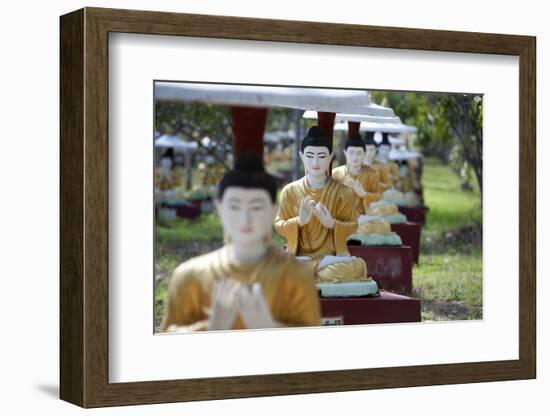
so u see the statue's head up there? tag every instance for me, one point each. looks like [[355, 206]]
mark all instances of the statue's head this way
[[384, 147], [370, 148], [316, 152], [246, 201], [354, 150]]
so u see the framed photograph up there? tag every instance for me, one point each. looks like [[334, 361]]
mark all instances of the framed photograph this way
[[255, 207]]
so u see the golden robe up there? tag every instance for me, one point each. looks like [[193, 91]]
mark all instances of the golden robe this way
[[368, 178], [314, 239], [165, 183], [287, 284], [410, 183], [388, 174]]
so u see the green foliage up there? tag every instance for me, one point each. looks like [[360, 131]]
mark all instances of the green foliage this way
[[194, 120], [449, 127]]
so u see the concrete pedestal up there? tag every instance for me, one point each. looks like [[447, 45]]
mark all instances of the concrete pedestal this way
[[410, 236], [391, 267]]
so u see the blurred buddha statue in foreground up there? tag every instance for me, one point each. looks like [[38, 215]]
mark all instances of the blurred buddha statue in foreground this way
[[317, 214], [247, 283], [388, 210], [364, 182]]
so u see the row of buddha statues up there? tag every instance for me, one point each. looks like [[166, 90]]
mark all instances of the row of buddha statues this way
[[168, 178], [249, 283]]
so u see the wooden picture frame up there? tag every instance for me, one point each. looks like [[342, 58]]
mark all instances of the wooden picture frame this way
[[84, 207]]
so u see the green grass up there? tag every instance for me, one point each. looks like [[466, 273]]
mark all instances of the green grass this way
[[205, 227], [450, 278], [450, 207], [449, 283]]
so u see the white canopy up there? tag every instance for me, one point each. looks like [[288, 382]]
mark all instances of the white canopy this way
[[344, 117], [318, 99], [395, 141], [387, 127], [170, 140], [402, 153], [377, 127]]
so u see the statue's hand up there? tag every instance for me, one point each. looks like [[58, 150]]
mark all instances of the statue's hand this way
[[253, 308], [224, 304], [367, 218], [323, 215], [306, 210], [348, 182], [378, 203], [358, 189]]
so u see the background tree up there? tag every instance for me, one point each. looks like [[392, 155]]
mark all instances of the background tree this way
[[449, 127], [195, 120]]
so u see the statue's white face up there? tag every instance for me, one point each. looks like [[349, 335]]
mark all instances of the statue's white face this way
[[354, 156], [384, 152], [370, 153], [316, 160], [166, 162], [403, 170], [247, 215]]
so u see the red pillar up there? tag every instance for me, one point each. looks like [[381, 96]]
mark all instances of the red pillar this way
[[248, 124], [353, 128], [325, 120]]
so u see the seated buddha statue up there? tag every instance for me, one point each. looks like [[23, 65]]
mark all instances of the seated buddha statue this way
[[378, 206], [248, 283], [406, 184], [364, 182], [317, 214], [167, 177], [388, 172]]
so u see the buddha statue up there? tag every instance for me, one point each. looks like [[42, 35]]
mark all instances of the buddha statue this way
[[364, 182], [166, 175], [379, 207], [388, 172], [317, 214], [209, 175], [248, 283], [408, 184]]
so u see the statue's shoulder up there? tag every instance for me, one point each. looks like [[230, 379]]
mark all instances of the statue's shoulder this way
[[291, 186], [341, 189], [368, 171], [196, 268], [339, 171]]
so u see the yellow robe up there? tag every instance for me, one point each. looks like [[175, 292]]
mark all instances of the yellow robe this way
[[314, 239], [368, 178], [287, 284], [413, 169], [164, 183], [388, 174]]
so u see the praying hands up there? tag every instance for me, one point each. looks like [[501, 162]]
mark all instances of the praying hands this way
[[230, 298]]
